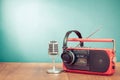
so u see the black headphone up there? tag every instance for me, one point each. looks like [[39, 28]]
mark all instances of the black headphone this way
[[67, 35], [67, 55]]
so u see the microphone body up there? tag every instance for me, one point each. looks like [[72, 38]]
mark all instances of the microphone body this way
[[53, 48]]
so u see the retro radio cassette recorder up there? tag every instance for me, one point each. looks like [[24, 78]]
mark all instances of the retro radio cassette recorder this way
[[86, 59]]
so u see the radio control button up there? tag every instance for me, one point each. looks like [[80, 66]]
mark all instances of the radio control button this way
[[113, 67]]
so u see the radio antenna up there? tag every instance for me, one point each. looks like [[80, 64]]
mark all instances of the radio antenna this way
[[92, 33]]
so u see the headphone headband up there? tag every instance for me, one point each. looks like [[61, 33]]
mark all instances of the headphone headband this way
[[67, 35]]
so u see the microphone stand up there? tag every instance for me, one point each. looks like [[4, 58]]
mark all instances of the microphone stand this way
[[54, 70]]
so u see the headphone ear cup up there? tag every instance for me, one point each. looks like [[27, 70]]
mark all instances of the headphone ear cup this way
[[68, 57]]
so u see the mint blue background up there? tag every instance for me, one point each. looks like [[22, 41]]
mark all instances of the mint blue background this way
[[27, 26]]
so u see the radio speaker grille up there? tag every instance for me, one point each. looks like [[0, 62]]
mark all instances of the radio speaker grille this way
[[99, 61]]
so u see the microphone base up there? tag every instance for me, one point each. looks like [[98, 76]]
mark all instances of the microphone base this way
[[54, 71]]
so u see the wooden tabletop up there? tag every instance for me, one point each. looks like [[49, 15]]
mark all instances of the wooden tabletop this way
[[37, 71]]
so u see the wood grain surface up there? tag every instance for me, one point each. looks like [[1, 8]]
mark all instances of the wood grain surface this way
[[37, 71]]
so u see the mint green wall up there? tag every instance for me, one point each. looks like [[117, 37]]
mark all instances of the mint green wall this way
[[26, 26]]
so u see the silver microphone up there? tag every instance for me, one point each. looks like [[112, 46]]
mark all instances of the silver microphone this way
[[53, 51], [53, 48]]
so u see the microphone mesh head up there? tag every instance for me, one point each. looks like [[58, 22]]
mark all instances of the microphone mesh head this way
[[53, 48]]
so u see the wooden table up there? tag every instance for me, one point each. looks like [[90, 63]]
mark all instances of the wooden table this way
[[37, 71]]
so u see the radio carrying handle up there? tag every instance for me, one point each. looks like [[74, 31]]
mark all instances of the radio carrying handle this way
[[67, 35], [93, 40]]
